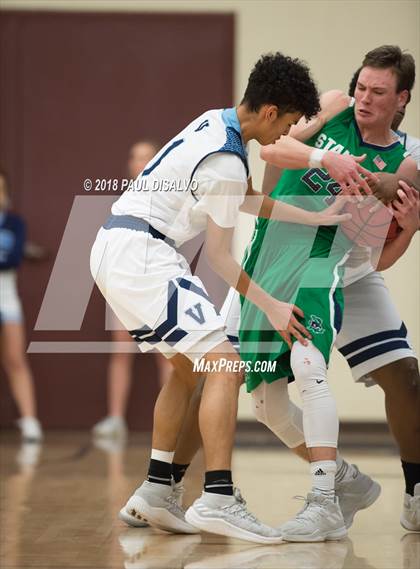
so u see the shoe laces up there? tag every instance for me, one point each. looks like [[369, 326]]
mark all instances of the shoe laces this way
[[172, 500], [312, 509], [239, 507], [178, 492]]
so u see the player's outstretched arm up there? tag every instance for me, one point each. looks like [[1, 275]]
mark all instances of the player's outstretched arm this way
[[406, 212], [280, 314], [258, 204], [288, 152]]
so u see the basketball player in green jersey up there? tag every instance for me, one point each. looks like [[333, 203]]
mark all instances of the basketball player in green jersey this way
[[305, 266]]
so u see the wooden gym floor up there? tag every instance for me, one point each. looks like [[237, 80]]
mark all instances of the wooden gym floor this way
[[59, 505]]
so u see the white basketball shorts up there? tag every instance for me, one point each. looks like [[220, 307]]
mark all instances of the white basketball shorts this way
[[149, 286], [373, 334]]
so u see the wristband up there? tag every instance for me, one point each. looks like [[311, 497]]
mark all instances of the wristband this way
[[315, 158]]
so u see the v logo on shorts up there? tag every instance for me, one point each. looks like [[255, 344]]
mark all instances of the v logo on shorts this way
[[197, 315]]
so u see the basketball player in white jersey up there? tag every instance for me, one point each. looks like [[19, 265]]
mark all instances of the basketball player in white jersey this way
[[197, 182]]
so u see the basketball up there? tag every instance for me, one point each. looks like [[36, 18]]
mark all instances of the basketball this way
[[370, 229], [372, 224]]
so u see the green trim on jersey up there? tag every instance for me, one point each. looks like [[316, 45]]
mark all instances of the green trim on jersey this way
[[301, 264]]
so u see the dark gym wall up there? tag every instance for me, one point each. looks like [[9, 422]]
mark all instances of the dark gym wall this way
[[77, 90]]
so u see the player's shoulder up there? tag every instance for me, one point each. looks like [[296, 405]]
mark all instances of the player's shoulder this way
[[336, 106], [209, 119], [224, 166]]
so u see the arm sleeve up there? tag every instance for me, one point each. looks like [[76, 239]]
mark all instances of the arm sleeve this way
[[222, 185]]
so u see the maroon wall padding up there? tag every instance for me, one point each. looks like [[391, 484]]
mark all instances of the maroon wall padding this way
[[77, 89]]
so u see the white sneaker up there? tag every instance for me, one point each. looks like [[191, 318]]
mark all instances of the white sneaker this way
[[132, 520], [356, 494], [231, 518], [320, 520], [157, 505], [410, 517], [178, 491], [110, 427], [30, 429]]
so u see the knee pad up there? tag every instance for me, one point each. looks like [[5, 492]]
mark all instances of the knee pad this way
[[320, 421], [273, 408]]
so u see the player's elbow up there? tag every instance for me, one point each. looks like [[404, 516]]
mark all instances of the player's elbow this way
[[334, 96], [385, 262]]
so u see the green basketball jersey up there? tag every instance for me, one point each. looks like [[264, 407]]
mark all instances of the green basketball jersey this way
[[313, 189]]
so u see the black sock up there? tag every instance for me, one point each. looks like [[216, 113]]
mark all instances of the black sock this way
[[412, 475], [159, 472], [178, 471], [219, 482]]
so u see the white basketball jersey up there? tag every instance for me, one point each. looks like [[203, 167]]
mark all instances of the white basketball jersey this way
[[201, 172]]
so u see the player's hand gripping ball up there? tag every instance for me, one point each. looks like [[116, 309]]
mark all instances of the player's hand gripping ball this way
[[373, 223]]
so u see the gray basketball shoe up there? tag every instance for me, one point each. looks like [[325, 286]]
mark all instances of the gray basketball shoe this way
[[410, 517], [320, 520], [228, 515], [356, 494], [157, 505]]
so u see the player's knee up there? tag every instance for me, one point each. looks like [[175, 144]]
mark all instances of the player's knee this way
[[238, 377], [270, 405], [231, 379], [410, 377], [400, 377], [285, 425]]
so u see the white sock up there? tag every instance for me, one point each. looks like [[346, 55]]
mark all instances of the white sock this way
[[323, 476], [345, 471], [162, 455]]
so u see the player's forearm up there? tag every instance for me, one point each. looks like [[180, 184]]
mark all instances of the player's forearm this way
[[260, 205], [233, 274], [287, 153], [308, 130], [394, 250]]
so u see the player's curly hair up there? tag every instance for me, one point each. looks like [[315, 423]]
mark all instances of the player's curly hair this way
[[282, 81], [392, 57]]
